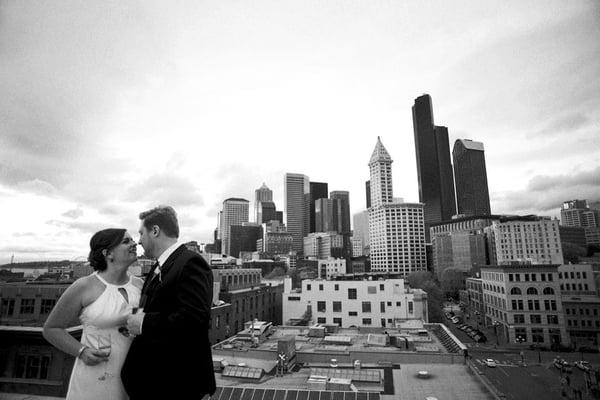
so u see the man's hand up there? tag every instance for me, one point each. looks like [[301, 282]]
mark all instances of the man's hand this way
[[134, 323]]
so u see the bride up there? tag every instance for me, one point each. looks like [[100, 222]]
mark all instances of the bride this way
[[101, 301]]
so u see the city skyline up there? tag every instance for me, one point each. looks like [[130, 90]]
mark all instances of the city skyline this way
[[110, 109]]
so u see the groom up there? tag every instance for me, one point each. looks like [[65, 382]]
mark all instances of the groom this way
[[170, 356]]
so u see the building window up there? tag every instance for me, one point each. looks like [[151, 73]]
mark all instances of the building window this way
[[337, 306], [410, 307], [398, 304], [336, 287], [537, 335], [548, 290], [381, 287], [552, 319], [353, 313], [366, 306], [351, 294], [521, 333], [321, 306], [47, 305], [535, 318], [532, 291], [337, 321], [382, 306], [321, 320], [32, 366], [519, 318], [515, 291], [320, 286], [8, 307], [510, 277], [27, 306], [371, 290], [366, 321]]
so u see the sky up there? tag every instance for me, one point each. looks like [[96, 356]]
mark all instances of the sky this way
[[110, 108]]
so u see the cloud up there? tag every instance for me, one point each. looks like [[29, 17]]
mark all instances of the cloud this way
[[542, 183], [37, 186], [23, 234], [74, 213], [567, 124], [545, 194], [166, 188], [83, 227]]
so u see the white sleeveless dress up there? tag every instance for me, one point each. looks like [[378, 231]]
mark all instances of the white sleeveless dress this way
[[103, 317]]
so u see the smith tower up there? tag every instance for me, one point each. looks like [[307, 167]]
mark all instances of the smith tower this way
[[396, 229], [434, 170]]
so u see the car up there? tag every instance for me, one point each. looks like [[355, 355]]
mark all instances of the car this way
[[490, 363], [455, 320], [582, 365], [566, 367]]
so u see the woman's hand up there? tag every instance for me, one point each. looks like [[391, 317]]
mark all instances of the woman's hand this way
[[92, 357]]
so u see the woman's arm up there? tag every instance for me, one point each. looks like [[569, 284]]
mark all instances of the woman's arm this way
[[66, 311]]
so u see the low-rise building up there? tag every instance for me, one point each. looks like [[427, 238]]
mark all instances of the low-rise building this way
[[523, 303], [581, 302], [361, 303], [331, 267]]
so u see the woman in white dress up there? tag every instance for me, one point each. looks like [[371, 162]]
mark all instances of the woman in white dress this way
[[101, 301]]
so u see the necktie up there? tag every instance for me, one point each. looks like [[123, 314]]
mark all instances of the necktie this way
[[149, 284]]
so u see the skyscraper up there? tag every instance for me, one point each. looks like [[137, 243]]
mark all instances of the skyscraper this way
[[396, 230], [317, 190], [472, 195], [296, 186], [434, 170], [368, 193], [263, 193], [235, 212], [342, 209]]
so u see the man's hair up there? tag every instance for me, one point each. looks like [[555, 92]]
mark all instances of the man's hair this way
[[164, 217]]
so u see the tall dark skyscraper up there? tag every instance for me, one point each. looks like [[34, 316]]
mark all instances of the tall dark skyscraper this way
[[342, 209], [434, 170], [472, 195], [317, 190], [368, 192]]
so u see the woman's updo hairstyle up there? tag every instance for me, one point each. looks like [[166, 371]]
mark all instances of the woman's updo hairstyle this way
[[106, 239]]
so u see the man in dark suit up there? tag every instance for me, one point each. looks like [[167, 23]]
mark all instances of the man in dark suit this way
[[170, 356]]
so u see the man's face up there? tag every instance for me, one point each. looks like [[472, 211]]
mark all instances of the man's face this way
[[146, 240]]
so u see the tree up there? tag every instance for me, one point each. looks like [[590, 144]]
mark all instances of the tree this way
[[572, 252], [435, 299]]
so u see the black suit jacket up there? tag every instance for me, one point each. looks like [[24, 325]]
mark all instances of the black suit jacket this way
[[172, 357]]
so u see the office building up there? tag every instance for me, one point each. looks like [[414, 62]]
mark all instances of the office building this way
[[342, 210], [523, 302], [242, 238], [396, 229], [462, 251], [470, 177], [326, 216], [235, 212], [362, 303], [434, 170], [275, 240], [261, 194], [524, 239], [296, 186], [317, 190], [266, 211], [323, 245], [331, 267], [581, 302], [360, 223]]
